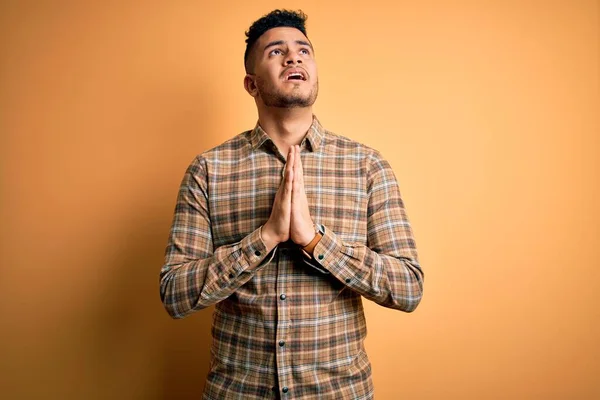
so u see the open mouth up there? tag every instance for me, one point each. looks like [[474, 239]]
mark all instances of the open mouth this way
[[295, 76]]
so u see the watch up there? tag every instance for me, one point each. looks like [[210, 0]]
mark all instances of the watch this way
[[308, 249]]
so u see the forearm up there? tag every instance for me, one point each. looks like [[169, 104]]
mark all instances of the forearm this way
[[393, 280], [188, 285]]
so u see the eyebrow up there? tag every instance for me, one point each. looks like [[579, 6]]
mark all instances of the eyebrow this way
[[280, 42]]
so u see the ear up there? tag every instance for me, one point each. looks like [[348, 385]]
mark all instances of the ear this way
[[250, 85]]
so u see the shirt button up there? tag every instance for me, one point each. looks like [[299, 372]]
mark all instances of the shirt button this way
[[257, 253], [284, 389], [281, 343], [231, 276], [283, 296], [348, 280], [274, 388], [321, 256]]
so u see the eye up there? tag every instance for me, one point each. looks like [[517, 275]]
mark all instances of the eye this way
[[305, 51], [275, 52]]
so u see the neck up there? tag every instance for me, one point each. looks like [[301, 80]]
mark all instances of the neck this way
[[285, 126]]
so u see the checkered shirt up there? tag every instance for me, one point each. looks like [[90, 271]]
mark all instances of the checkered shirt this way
[[285, 325]]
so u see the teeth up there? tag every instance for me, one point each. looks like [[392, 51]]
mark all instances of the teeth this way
[[295, 74]]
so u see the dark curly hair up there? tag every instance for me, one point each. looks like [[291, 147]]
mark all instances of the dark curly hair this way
[[274, 19]]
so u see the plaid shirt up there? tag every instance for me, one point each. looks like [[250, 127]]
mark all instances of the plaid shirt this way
[[286, 326]]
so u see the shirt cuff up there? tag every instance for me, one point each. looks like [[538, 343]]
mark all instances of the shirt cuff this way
[[332, 256], [253, 253], [310, 259]]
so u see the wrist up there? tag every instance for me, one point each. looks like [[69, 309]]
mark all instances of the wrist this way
[[308, 236], [315, 237], [268, 237], [305, 242], [310, 247]]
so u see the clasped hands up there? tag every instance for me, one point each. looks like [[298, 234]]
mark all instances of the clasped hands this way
[[290, 216]]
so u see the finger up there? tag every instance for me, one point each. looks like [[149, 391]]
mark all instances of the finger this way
[[297, 158], [299, 170], [290, 159], [297, 183], [289, 171]]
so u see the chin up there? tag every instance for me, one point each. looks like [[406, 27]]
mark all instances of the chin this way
[[292, 99]]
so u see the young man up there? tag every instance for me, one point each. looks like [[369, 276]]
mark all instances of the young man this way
[[284, 228]]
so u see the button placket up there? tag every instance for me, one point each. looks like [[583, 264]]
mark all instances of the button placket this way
[[284, 264]]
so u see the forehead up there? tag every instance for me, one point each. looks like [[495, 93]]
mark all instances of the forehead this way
[[285, 34]]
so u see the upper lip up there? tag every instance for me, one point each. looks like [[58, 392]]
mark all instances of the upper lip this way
[[292, 71]]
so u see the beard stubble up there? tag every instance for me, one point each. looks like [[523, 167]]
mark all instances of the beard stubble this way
[[273, 97]]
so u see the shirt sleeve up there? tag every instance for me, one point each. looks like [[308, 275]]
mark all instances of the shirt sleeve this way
[[195, 275], [387, 269]]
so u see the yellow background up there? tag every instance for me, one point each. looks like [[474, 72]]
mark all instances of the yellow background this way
[[488, 112]]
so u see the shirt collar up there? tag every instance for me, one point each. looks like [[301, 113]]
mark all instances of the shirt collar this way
[[314, 136]]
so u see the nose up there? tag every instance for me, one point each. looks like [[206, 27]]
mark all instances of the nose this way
[[293, 58]]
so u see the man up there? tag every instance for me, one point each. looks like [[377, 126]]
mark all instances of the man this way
[[284, 228]]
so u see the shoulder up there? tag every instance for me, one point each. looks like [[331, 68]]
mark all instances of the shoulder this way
[[231, 148], [339, 144], [228, 151], [369, 160]]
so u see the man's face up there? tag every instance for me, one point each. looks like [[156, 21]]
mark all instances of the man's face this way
[[285, 71]]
